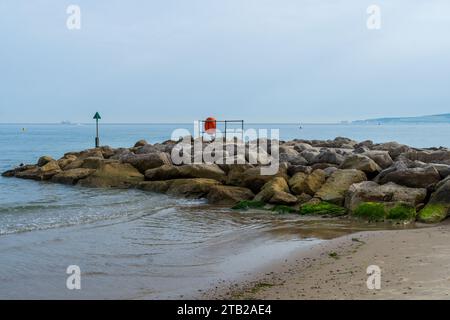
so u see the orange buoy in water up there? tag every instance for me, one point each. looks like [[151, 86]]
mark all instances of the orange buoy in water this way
[[210, 125]]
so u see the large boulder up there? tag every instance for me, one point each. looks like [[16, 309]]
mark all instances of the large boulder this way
[[360, 162], [394, 148], [152, 148], [89, 153], [94, 163], [140, 143], [44, 160], [13, 172], [293, 169], [107, 152], [276, 191], [72, 176], [44, 172], [411, 177], [155, 186], [329, 156], [428, 156], [66, 160], [188, 171], [369, 191], [254, 180], [191, 188], [301, 146], [309, 155], [334, 189], [443, 169], [144, 162], [113, 174], [228, 195], [235, 173], [382, 158], [307, 183], [438, 207], [290, 155]]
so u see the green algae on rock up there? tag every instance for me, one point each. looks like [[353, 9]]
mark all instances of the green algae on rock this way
[[283, 209], [248, 204], [372, 211], [432, 213], [322, 208], [402, 211]]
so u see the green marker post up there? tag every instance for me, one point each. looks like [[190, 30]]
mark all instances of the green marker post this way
[[97, 139]]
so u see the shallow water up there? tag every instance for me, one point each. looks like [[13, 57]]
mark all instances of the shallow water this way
[[132, 244]]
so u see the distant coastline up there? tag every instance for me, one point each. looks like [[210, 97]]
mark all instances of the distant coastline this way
[[437, 118]]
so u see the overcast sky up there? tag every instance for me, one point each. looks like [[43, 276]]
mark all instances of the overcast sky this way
[[257, 60]]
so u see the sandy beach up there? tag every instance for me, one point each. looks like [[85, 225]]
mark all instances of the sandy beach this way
[[414, 265]]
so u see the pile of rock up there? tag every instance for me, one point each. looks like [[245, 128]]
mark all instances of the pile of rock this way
[[373, 181]]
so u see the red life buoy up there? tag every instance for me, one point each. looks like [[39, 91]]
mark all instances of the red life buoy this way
[[210, 125]]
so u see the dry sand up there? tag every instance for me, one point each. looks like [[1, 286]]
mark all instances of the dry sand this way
[[415, 264]]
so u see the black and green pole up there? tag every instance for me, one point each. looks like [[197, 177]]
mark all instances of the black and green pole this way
[[97, 139]]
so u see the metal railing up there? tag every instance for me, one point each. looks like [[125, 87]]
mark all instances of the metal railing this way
[[226, 124]]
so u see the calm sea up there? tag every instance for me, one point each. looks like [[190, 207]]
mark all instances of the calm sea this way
[[132, 244]]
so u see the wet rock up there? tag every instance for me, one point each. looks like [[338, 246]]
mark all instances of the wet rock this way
[[155, 186], [148, 148], [362, 163], [366, 144], [140, 143], [394, 148], [107, 152], [369, 191], [113, 174], [309, 155], [293, 169], [438, 207], [290, 155], [412, 177], [329, 156], [94, 163], [334, 189], [44, 160], [144, 162], [90, 153], [329, 171], [300, 147], [382, 158], [13, 172], [66, 160], [252, 178], [167, 172], [276, 191], [191, 188], [235, 173], [72, 176], [323, 166], [228, 195], [428, 156], [443, 169], [40, 173], [307, 183]]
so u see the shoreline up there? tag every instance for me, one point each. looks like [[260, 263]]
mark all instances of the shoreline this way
[[414, 265]]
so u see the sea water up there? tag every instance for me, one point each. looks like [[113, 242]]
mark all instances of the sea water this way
[[134, 244]]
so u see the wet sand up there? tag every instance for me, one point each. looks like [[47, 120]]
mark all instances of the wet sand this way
[[415, 264]]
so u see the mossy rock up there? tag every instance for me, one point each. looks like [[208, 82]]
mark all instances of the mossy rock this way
[[372, 211], [248, 204], [283, 209], [322, 208], [402, 211], [433, 213]]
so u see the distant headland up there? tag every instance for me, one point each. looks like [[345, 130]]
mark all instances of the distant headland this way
[[437, 118]]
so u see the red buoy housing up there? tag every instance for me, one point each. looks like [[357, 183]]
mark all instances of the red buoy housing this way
[[210, 125]]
